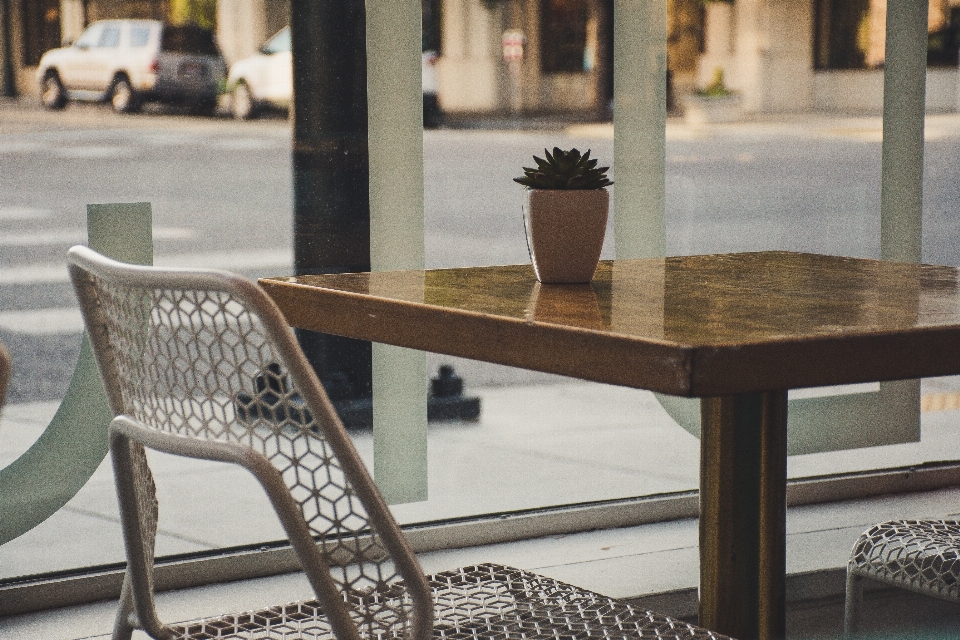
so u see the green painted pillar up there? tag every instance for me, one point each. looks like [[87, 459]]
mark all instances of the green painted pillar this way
[[904, 100], [395, 124], [639, 123], [35, 485]]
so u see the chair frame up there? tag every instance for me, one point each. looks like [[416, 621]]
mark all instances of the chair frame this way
[[137, 596]]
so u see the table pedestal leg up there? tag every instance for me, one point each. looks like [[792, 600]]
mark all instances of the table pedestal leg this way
[[743, 478]]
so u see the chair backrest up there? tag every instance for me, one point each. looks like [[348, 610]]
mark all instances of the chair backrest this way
[[203, 364]]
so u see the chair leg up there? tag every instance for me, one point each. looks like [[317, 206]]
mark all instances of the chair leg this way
[[122, 626], [853, 603]]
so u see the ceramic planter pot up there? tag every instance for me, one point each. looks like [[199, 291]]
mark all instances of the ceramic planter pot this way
[[565, 232]]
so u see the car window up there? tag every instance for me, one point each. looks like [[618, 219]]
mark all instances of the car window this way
[[110, 37], [189, 39], [90, 37], [139, 36], [279, 43]]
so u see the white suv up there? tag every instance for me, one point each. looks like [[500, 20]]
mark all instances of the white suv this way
[[129, 62]]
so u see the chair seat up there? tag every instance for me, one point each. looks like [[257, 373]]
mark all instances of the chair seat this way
[[920, 555], [488, 601]]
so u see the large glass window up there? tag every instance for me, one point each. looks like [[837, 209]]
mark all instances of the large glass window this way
[[110, 37], [188, 39], [139, 36], [41, 26], [279, 43], [943, 46], [850, 34], [843, 34], [90, 37], [222, 197], [563, 35], [430, 37]]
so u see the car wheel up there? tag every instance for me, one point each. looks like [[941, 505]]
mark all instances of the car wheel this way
[[432, 117], [52, 93], [123, 99], [241, 102]]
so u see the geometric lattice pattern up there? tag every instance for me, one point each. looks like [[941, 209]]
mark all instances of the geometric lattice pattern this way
[[190, 363], [484, 602], [919, 555]]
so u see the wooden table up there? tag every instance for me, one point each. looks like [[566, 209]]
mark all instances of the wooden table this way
[[737, 330]]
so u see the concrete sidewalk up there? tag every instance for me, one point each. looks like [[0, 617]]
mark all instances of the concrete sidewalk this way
[[534, 446]]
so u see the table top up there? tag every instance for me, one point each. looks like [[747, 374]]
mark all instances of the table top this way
[[692, 325]]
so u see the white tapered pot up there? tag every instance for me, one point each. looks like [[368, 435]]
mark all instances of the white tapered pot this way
[[565, 230]]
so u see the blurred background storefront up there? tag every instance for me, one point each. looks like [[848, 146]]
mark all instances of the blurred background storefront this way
[[781, 56], [31, 27], [563, 63], [555, 56], [820, 55]]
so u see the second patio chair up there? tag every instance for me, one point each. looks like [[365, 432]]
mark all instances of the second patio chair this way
[[202, 364], [917, 555]]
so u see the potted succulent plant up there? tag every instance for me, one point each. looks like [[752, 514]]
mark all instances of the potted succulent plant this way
[[565, 215]]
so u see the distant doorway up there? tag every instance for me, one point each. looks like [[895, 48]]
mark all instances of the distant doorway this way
[[41, 29]]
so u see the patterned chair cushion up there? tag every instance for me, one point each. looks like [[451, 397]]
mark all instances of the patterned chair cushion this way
[[920, 555]]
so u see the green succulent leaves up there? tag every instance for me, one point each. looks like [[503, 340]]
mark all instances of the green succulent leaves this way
[[565, 170]]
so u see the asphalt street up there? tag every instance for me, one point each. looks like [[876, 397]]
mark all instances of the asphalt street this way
[[221, 193]]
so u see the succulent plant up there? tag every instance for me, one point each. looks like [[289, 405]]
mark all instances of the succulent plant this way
[[565, 170]]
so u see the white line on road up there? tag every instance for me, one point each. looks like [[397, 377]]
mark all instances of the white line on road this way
[[99, 153], [23, 213], [76, 236], [42, 322], [21, 147], [248, 260], [250, 144], [34, 274]]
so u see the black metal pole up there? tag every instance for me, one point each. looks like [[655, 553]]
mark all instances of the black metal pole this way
[[6, 32], [331, 195], [331, 168], [331, 228]]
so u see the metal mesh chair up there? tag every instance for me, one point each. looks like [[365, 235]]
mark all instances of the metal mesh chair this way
[[917, 555], [202, 364]]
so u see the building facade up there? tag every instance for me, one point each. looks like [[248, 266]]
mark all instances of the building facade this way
[[780, 56], [556, 56], [546, 56], [786, 56]]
